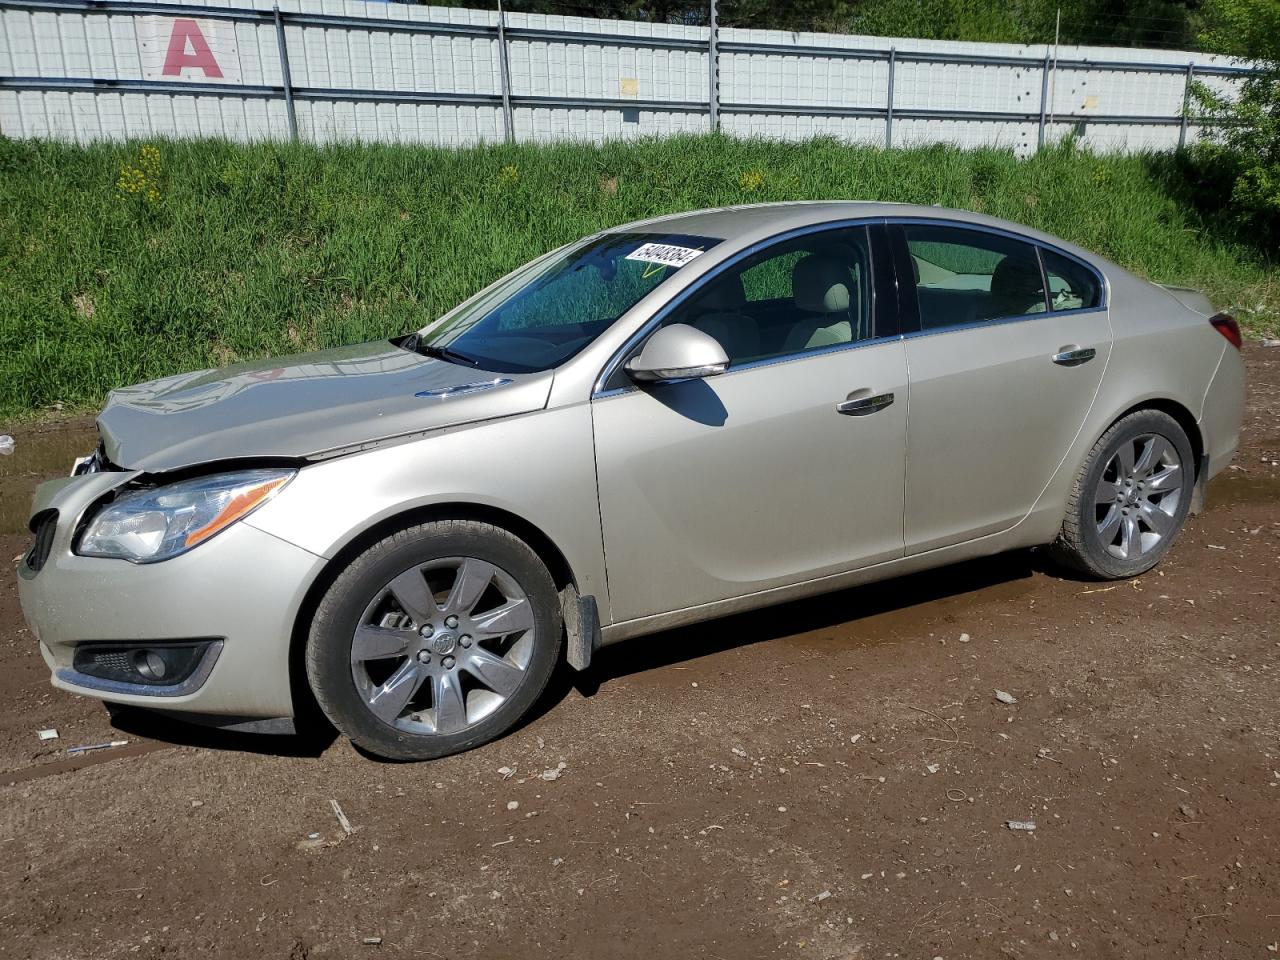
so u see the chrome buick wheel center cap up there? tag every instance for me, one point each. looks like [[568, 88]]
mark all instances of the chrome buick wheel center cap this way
[[443, 643]]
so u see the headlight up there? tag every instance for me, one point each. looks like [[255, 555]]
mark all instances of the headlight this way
[[157, 524]]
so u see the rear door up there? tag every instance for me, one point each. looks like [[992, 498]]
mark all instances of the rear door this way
[[1002, 374]]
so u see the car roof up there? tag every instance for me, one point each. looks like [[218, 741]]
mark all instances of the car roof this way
[[750, 223], [728, 223]]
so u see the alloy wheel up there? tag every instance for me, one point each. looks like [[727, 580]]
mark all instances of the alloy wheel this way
[[1137, 497], [443, 645]]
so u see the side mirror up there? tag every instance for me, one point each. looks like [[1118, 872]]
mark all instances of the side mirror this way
[[678, 352]]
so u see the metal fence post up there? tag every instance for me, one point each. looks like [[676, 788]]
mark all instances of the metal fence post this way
[[285, 77], [504, 70], [888, 113], [713, 57], [1186, 104], [1044, 100]]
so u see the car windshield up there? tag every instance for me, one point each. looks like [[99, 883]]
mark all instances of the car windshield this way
[[546, 312]]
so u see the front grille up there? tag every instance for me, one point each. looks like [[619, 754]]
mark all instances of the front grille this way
[[105, 663], [44, 527]]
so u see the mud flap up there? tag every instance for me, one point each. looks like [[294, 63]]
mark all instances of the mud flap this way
[[1201, 489], [581, 627]]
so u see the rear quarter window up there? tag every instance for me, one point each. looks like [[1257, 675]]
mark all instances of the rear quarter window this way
[[1072, 285]]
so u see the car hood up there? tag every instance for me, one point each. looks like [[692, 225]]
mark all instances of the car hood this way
[[304, 406]]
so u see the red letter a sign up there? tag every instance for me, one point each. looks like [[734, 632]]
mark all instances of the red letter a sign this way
[[188, 48]]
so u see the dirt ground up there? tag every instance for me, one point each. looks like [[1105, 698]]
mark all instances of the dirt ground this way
[[830, 778]]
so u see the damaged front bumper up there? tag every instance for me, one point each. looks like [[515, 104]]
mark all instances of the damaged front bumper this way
[[231, 603]]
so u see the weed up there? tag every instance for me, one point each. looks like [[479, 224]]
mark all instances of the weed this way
[[270, 248]]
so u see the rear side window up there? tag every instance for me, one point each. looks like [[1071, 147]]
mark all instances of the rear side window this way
[[967, 276], [1072, 285]]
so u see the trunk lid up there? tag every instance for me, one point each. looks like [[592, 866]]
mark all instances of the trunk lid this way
[[1190, 298]]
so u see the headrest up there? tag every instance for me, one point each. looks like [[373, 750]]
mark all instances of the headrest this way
[[724, 295], [1017, 285], [820, 285]]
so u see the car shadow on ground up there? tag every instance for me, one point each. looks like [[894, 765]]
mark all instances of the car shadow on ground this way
[[311, 737], [801, 616], [314, 735]]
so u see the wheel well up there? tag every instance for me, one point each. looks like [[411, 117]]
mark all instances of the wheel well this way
[[1184, 419], [539, 542]]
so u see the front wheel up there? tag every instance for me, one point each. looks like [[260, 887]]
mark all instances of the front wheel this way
[[1130, 500], [434, 640]]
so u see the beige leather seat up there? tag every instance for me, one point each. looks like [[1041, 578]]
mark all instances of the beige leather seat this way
[[823, 288], [718, 313]]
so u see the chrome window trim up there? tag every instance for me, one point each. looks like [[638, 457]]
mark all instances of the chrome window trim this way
[[1104, 287], [1001, 321], [772, 361], [598, 391]]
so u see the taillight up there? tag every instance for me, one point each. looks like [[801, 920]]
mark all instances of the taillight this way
[[1226, 325]]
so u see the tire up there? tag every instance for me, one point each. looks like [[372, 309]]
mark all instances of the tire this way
[[491, 640], [1115, 529]]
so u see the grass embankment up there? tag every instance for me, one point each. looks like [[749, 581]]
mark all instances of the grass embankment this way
[[120, 263]]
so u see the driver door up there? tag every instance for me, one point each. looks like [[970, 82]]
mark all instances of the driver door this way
[[755, 479]]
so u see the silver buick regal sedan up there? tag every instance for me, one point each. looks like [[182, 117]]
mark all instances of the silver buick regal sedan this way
[[660, 424]]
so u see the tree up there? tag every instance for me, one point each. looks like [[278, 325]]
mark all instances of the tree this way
[[1136, 23], [1243, 133]]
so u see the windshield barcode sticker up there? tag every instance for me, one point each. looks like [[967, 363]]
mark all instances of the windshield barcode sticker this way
[[665, 254]]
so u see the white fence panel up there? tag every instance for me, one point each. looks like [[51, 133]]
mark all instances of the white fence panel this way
[[357, 70]]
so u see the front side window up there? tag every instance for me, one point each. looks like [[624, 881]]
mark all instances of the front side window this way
[[798, 295], [1072, 285], [967, 276], [546, 312]]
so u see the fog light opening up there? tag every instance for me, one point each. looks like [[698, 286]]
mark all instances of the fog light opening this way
[[150, 664], [157, 665]]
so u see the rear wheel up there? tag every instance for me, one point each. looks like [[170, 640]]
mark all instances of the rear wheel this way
[[1131, 498], [434, 640]]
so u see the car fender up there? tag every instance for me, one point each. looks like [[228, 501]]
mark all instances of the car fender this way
[[539, 467]]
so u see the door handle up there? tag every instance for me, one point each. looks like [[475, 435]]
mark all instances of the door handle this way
[[1073, 356], [861, 406]]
